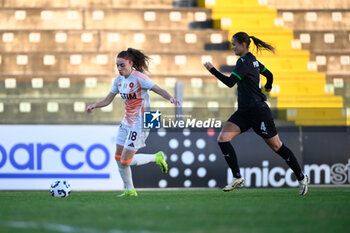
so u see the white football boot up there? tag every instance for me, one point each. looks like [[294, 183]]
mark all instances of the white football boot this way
[[237, 182], [303, 185]]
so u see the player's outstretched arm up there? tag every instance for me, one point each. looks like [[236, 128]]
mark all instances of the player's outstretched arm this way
[[163, 93], [228, 81], [106, 101]]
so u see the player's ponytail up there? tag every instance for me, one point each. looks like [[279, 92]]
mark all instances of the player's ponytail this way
[[139, 60], [241, 37], [261, 45]]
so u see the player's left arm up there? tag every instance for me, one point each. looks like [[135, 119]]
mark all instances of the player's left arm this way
[[269, 77], [163, 93]]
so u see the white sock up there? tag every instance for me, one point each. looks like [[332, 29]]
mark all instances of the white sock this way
[[125, 173], [142, 159]]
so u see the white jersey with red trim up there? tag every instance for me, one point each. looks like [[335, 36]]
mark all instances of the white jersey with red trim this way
[[135, 92]]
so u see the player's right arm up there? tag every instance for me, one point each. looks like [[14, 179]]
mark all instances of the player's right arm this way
[[228, 81], [106, 101]]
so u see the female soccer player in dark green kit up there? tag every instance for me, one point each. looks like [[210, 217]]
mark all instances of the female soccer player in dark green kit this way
[[252, 111]]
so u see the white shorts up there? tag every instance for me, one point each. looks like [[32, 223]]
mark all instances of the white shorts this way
[[132, 138]]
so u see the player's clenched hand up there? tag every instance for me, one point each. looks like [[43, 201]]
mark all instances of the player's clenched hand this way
[[268, 88], [208, 65], [174, 101], [90, 108]]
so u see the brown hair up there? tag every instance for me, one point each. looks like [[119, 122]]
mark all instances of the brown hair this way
[[139, 59]]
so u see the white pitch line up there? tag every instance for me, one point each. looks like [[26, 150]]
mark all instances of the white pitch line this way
[[64, 228]]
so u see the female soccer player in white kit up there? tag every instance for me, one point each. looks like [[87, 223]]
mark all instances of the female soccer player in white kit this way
[[133, 86]]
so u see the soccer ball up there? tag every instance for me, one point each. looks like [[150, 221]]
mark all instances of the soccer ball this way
[[60, 188]]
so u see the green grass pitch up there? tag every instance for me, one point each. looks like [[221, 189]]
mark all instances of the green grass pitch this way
[[204, 210]]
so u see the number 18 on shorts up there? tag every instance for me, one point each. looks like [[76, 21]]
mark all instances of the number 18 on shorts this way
[[131, 138]]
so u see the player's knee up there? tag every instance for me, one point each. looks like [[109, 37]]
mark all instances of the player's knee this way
[[275, 146], [226, 136], [125, 162], [222, 138], [117, 157]]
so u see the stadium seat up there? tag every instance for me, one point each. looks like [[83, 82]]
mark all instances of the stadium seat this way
[[34, 3], [314, 4], [41, 18], [311, 101], [332, 61], [165, 40], [320, 19], [158, 18], [100, 18], [228, 3], [73, 86], [87, 86], [87, 3], [112, 40], [318, 116], [49, 40], [47, 111], [323, 39], [63, 62], [192, 63], [240, 19]]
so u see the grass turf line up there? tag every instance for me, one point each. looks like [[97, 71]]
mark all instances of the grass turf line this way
[[242, 210]]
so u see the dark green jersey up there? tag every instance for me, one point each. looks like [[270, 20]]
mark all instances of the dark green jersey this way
[[247, 70], [247, 76]]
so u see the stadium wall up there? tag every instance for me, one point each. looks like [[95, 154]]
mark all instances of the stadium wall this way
[[33, 156]]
